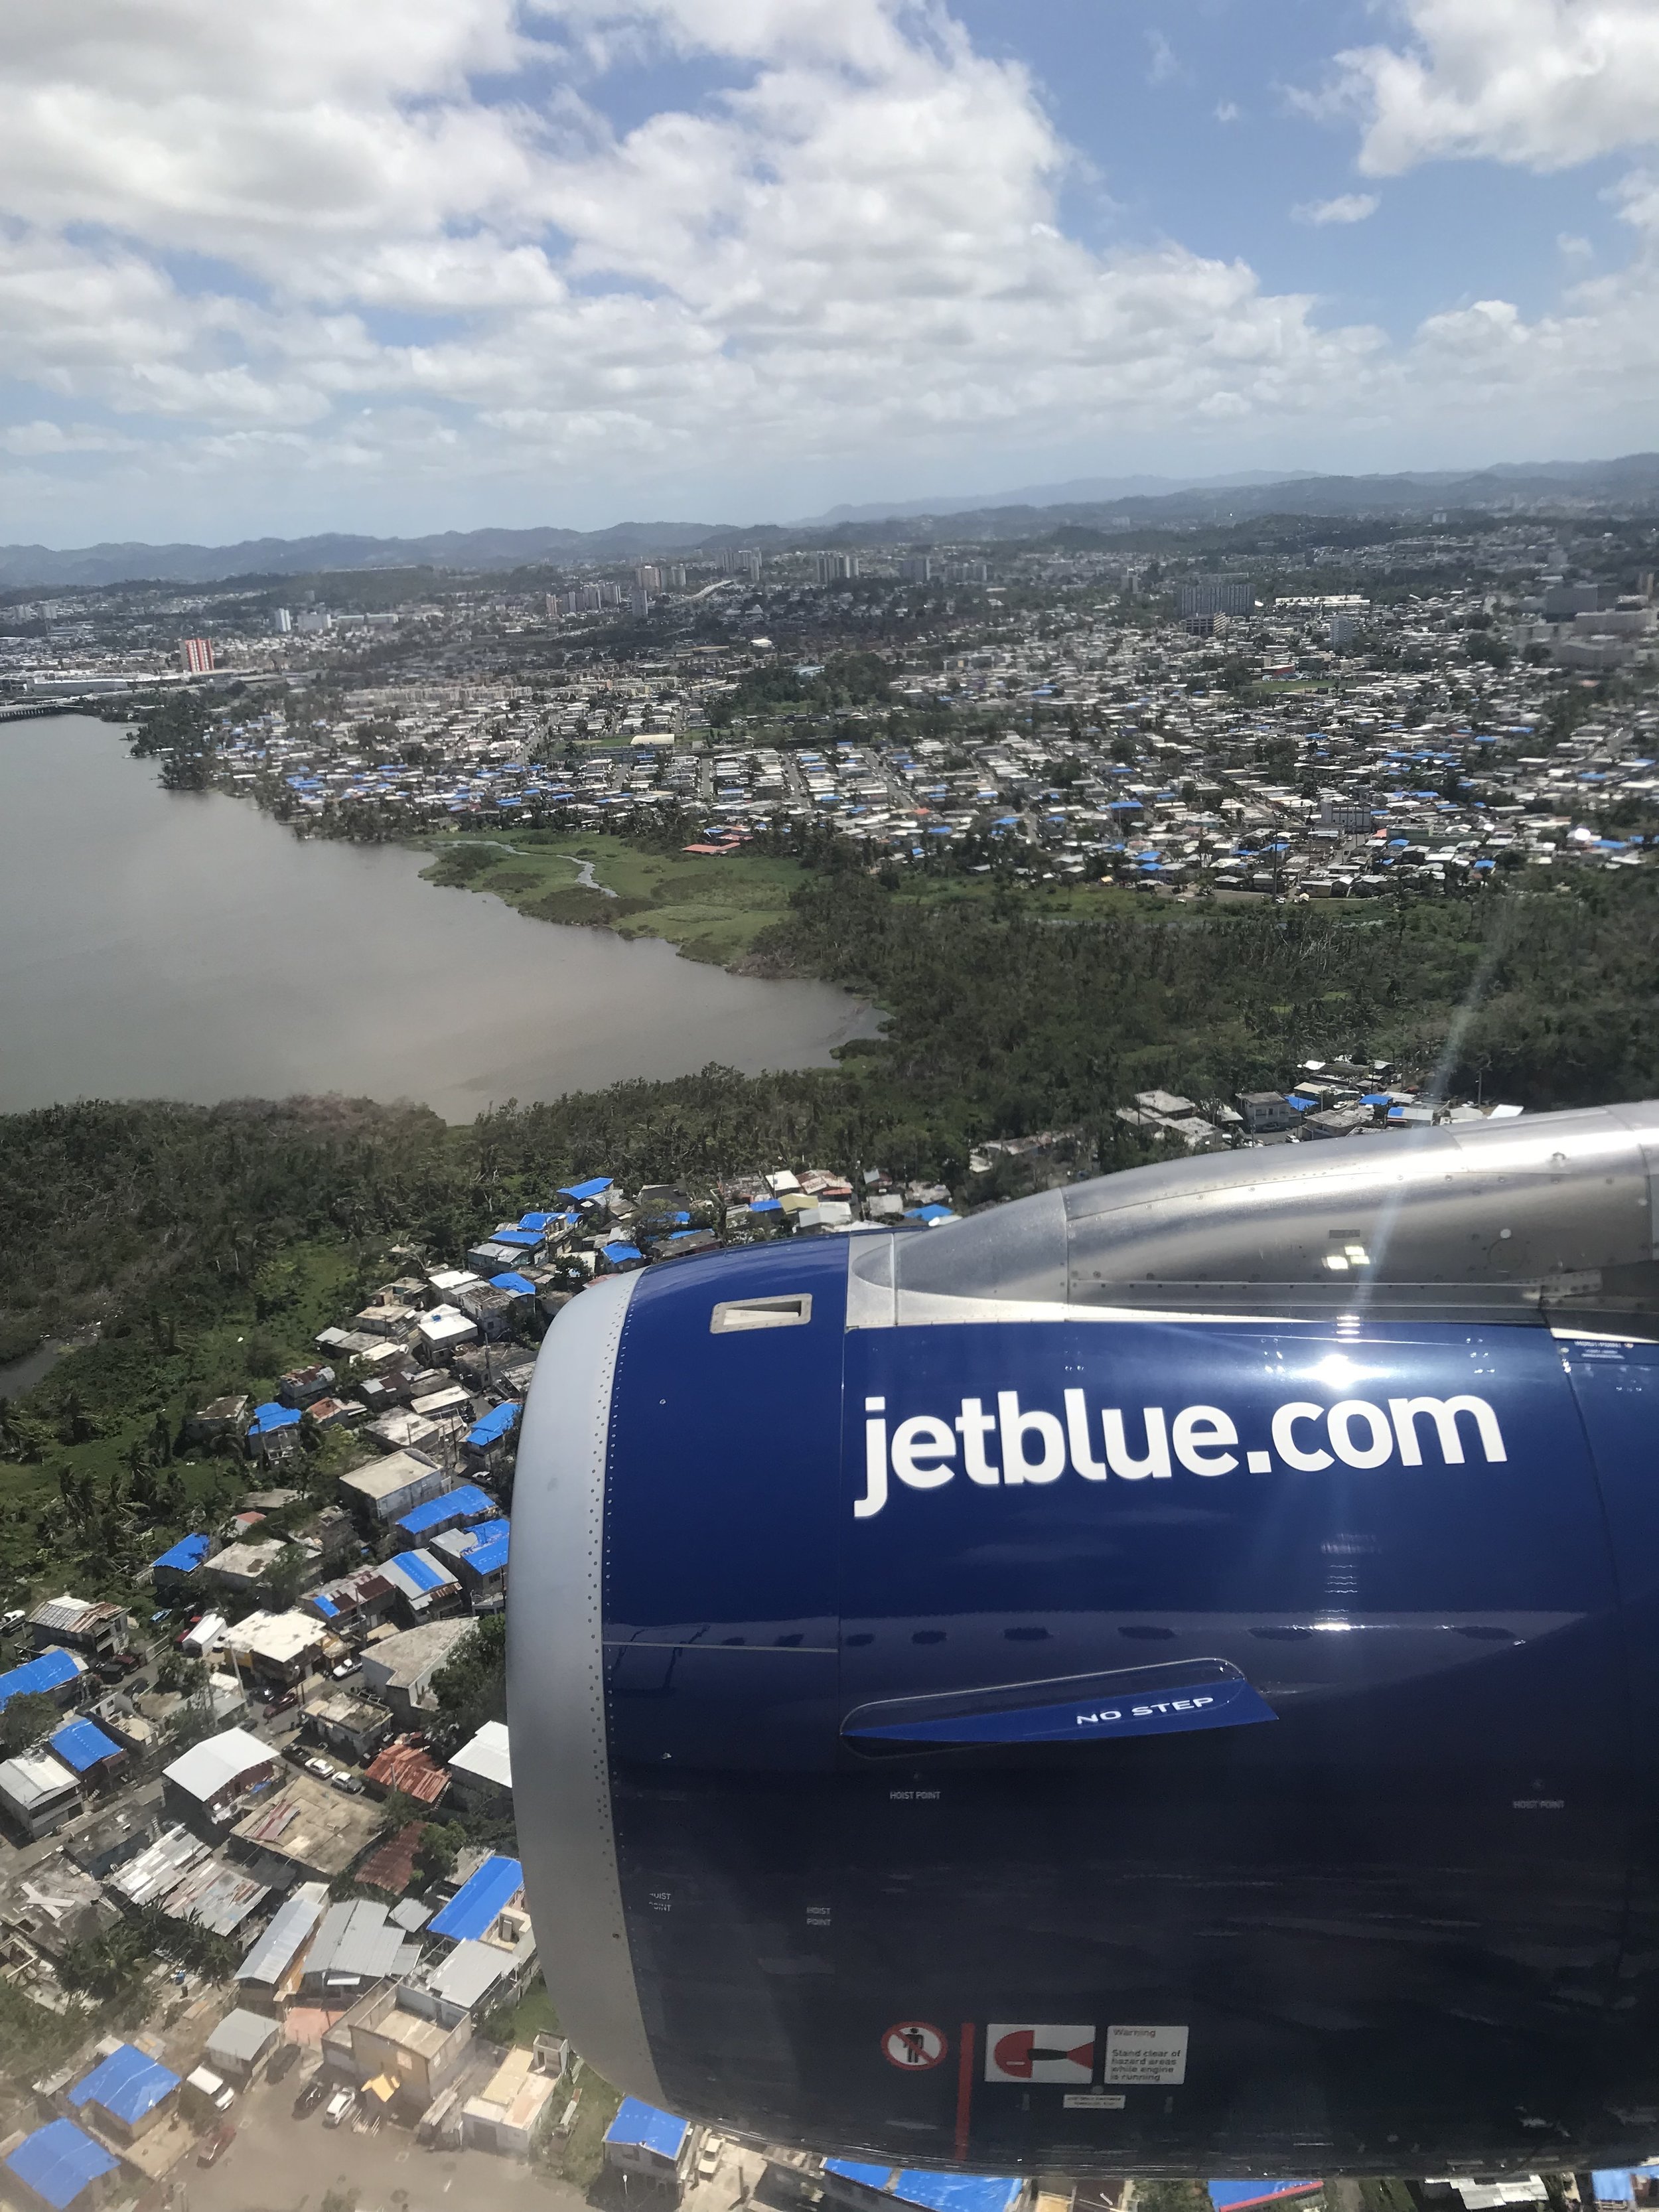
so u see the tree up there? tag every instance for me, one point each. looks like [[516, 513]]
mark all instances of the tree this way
[[25, 1721], [471, 1686]]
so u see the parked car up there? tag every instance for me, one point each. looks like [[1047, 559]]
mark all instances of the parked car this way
[[309, 2097], [138, 1685], [283, 1699], [13, 1620], [346, 1667], [109, 1671], [129, 1662], [216, 2145], [320, 1768], [340, 2106], [347, 1783]]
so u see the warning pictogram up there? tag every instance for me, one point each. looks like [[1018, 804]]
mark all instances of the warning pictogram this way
[[913, 2046], [1014, 2052]]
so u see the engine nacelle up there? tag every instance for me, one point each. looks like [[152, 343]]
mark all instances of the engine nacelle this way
[[1161, 1676]]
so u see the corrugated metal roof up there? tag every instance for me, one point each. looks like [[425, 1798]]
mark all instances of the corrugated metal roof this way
[[219, 1762], [488, 1755], [476, 1906], [157, 1870], [417, 1574], [59, 2162], [218, 1897], [126, 2085], [288, 1933], [358, 1942]]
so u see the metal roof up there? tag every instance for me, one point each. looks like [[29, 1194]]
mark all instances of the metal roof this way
[[242, 2034], [288, 1933], [39, 1677], [126, 2085], [476, 1906], [82, 1744], [489, 1755], [59, 2162], [219, 1762], [417, 1574], [639, 2123], [356, 1943], [470, 1973], [219, 1897], [157, 1869]]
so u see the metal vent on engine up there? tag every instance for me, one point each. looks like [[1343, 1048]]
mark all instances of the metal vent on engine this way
[[731, 1314]]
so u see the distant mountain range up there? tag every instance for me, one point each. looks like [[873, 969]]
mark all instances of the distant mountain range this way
[[1103, 503]]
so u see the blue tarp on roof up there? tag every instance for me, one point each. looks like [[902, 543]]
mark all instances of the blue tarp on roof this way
[[38, 1677], [126, 2085], [478, 1903], [619, 1254], [521, 1285], [521, 1240], [487, 1556], [543, 1221], [638, 2123], [187, 1555], [271, 1416], [59, 2162], [595, 1187], [766, 1206], [934, 2192], [81, 1744], [499, 1422], [1613, 2185], [425, 1573], [468, 1502], [325, 1605]]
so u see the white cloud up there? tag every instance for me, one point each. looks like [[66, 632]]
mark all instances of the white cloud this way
[[1347, 207], [1543, 84], [384, 267], [1228, 110], [1161, 63]]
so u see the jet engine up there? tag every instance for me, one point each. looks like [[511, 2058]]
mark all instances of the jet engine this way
[[1161, 1676]]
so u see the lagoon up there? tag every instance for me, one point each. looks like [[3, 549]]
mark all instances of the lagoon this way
[[174, 944]]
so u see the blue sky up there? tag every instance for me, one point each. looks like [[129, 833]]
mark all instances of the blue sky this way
[[298, 268]]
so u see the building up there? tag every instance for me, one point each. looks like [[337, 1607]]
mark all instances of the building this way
[[643, 2141], [240, 2047], [356, 1727], [196, 656], [89, 1626], [37, 1793], [400, 1669], [174, 1573], [278, 1648], [55, 1904], [159, 1868], [381, 2042], [270, 1969], [492, 1437], [1265, 1112], [482, 1770], [207, 1783], [95, 1759], [424, 1583], [512, 2108], [126, 2094], [452, 1510], [856, 2185], [1218, 595], [410, 1769], [474, 1912], [57, 1675], [61, 2167], [357, 1945], [308, 1831], [282, 622], [387, 1489], [916, 568]]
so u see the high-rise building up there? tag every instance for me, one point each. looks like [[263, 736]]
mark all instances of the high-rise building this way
[[282, 621], [552, 606], [743, 563], [639, 601], [648, 578], [918, 569], [1218, 595], [196, 656], [313, 620], [834, 568]]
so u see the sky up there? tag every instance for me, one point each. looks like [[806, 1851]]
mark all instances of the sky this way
[[407, 265]]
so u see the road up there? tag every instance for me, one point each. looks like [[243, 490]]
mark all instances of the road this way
[[279, 2164]]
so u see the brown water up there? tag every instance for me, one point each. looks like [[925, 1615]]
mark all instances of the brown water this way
[[184, 946]]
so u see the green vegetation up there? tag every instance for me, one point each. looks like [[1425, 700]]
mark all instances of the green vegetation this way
[[532, 2015], [579, 2158], [210, 1243], [711, 909]]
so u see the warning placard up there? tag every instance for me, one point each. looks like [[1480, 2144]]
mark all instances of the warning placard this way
[[1016, 2053], [913, 2046], [1146, 2057]]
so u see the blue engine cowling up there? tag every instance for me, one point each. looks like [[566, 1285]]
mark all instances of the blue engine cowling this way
[[1099, 1686]]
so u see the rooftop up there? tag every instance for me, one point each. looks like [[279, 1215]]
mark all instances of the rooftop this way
[[126, 2085], [57, 2161], [478, 1904], [642, 2125]]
